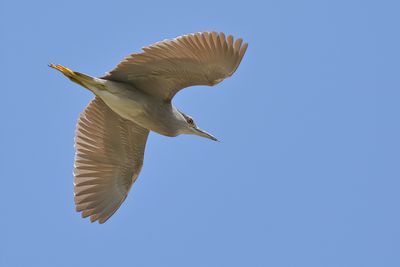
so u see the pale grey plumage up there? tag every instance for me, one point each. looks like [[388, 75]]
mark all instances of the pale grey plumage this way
[[134, 98], [166, 67], [108, 159]]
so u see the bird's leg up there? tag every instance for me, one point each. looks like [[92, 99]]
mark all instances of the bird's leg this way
[[77, 77], [67, 72]]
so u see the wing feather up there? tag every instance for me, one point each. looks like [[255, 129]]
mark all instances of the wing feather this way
[[108, 159], [166, 67]]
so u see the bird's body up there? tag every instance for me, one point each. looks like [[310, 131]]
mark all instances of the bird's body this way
[[132, 100], [132, 104]]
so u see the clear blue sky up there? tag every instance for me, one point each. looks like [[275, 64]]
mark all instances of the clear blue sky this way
[[307, 173]]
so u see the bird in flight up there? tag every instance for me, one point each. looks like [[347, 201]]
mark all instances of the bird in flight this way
[[133, 99]]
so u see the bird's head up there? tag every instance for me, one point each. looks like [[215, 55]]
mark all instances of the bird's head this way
[[191, 128]]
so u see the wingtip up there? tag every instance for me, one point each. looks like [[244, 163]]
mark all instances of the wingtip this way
[[243, 49]]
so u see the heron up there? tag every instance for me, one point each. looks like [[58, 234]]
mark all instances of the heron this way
[[133, 99]]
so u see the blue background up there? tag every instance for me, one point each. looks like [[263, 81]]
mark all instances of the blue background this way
[[307, 173]]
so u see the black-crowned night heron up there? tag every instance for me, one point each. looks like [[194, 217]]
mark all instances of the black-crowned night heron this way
[[132, 100]]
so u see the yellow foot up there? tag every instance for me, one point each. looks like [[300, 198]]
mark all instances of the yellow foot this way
[[63, 70]]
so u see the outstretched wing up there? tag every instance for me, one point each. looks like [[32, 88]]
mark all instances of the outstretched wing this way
[[166, 67], [108, 159]]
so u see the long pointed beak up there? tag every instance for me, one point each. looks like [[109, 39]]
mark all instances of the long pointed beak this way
[[202, 133]]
